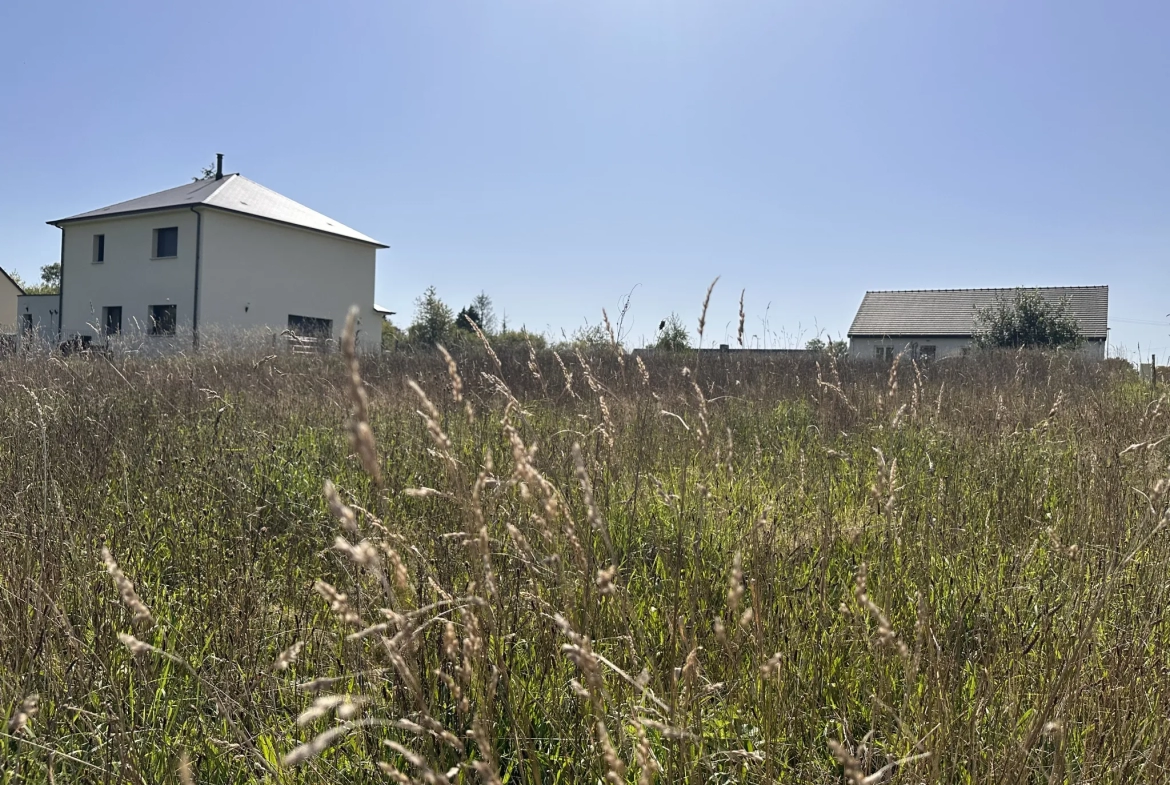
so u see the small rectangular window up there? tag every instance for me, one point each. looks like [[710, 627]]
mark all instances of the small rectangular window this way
[[162, 319], [927, 352], [99, 248], [28, 323], [166, 242], [310, 326], [112, 319]]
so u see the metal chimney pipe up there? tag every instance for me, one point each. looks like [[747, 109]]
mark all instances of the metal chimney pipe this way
[[219, 166]]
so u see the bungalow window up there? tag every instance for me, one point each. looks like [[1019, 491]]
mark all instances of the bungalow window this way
[[166, 242], [99, 248], [112, 319], [927, 352], [884, 353], [162, 319], [310, 326]]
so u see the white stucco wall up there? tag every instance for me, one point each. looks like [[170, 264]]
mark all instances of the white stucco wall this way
[[865, 348], [129, 277], [42, 308], [8, 294], [256, 273]]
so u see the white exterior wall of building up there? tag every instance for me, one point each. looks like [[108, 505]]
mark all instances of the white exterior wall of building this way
[[38, 312], [256, 273], [8, 294], [865, 348], [129, 277]]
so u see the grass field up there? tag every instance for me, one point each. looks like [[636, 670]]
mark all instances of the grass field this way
[[693, 570]]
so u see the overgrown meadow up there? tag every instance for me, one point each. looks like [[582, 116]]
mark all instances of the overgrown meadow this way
[[558, 568]]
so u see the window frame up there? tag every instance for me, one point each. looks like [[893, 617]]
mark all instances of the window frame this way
[[157, 238], [157, 325], [99, 249]]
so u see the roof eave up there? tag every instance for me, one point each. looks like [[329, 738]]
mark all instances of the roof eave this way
[[82, 218]]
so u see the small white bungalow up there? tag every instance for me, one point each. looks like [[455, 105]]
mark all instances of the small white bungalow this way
[[222, 254], [931, 323]]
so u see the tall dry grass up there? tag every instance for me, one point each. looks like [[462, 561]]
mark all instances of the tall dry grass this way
[[539, 568]]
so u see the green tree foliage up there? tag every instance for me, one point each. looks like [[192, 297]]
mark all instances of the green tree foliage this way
[[465, 318], [50, 280], [482, 304], [1028, 321], [672, 335], [392, 335], [513, 340], [205, 173], [432, 319], [588, 336], [829, 347]]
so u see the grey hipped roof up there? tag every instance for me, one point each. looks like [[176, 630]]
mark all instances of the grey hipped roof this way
[[234, 193], [951, 312], [19, 288]]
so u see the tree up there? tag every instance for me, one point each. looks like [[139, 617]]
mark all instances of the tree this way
[[392, 335], [482, 304], [672, 335], [1027, 322], [432, 319], [830, 347], [50, 280], [466, 317], [206, 173]]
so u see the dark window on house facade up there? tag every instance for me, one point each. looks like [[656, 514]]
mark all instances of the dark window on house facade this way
[[927, 352], [310, 326], [28, 323], [99, 248], [884, 353], [166, 242], [112, 319], [162, 319]]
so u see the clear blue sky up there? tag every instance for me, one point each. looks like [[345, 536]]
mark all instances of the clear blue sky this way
[[560, 154]]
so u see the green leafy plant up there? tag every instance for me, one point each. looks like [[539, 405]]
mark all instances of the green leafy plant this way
[[1028, 321]]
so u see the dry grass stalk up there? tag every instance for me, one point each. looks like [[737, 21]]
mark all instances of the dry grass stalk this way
[[703, 313], [183, 769], [24, 713], [613, 340], [361, 437], [580, 651], [288, 656], [126, 590], [645, 374], [314, 747], [341, 511], [885, 635], [854, 772], [568, 376], [487, 345], [742, 318]]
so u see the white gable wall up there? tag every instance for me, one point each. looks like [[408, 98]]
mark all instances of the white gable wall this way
[[129, 277], [37, 321], [865, 348], [256, 273], [8, 294]]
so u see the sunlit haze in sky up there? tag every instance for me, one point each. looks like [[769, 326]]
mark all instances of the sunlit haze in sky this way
[[560, 156]]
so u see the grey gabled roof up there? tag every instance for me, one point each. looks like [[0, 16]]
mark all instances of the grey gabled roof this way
[[952, 312], [19, 288], [234, 193]]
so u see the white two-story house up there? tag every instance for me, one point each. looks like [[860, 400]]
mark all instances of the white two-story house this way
[[211, 259]]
